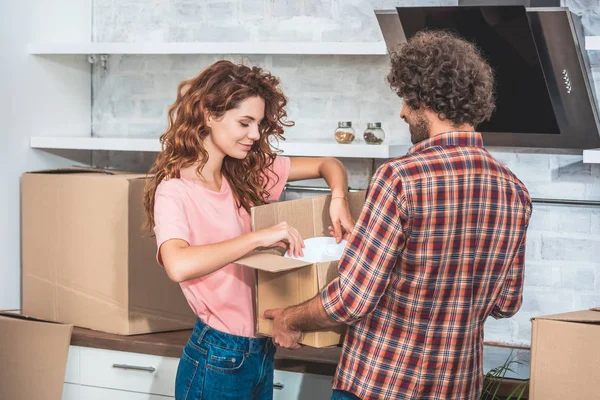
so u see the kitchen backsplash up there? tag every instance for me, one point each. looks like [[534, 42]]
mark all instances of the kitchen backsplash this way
[[131, 99]]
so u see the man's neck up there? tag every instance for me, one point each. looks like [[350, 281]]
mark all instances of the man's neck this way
[[440, 127]]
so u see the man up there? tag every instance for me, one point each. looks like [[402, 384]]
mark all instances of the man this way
[[439, 245]]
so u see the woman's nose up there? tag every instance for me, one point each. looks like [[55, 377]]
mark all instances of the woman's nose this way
[[254, 132]]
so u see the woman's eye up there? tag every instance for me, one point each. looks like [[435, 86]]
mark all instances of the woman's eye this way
[[244, 125]]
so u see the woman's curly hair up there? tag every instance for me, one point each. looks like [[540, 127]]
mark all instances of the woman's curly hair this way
[[219, 88], [447, 74]]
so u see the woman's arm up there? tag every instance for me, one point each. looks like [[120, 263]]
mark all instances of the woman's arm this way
[[334, 173], [330, 169], [184, 262]]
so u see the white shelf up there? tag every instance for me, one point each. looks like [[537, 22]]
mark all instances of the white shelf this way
[[591, 156], [322, 148], [592, 42], [327, 148], [91, 143], [331, 48], [347, 48]]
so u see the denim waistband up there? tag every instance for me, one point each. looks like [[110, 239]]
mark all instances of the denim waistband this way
[[203, 332]]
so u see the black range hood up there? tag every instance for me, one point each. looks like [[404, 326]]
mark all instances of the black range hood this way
[[544, 87]]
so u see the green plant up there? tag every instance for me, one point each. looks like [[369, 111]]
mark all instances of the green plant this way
[[493, 380]]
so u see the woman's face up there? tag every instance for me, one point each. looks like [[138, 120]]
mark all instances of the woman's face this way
[[236, 131]]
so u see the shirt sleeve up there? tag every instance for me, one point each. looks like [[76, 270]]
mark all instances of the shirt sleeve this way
[[278, 177], [372, 252], [170, 221], [511, 295]]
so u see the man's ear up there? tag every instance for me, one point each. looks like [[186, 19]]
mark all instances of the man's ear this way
[[432, 116]]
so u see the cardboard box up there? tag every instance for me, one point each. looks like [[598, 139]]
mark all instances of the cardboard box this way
[[85, 258], [565, 358], [283, 282], [33, 358]]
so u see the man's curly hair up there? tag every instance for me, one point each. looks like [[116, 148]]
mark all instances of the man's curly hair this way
[[447, 74]]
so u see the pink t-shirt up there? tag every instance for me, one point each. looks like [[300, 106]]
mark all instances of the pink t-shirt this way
[[184, 209]]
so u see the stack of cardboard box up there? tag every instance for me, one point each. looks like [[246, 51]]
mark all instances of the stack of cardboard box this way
[[86, 262]]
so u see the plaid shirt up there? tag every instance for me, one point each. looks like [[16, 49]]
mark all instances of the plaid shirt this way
[[439, 247]]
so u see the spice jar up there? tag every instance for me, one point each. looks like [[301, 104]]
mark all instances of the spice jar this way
[[374, 134], [344, 132]]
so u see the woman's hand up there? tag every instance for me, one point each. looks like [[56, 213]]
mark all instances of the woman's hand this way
[[283, 235], [342, 221]]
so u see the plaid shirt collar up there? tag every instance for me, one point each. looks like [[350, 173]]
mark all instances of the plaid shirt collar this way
[[446, 139]]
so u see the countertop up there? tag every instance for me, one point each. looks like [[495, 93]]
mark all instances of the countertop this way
[[170, 344]]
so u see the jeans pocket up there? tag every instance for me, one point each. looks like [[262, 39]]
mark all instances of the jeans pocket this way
[[186, 372], [224, 360]]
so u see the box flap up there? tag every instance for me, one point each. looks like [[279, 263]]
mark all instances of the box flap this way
[[591, 316], [33, 357], [90, 171], [270, 262], [297, 213], [309, 216], [76, 170]]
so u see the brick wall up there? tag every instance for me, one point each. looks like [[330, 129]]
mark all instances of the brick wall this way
[[132, 96]]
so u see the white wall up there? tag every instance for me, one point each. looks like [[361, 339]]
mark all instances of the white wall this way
[[31, 100]]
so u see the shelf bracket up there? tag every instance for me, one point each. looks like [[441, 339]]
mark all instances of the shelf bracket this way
[[99, 58]]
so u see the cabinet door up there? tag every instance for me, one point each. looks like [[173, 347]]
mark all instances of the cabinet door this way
[[80, 392], [94, 393], [71, 391], [135, 372], [73, 365], [297, 386]]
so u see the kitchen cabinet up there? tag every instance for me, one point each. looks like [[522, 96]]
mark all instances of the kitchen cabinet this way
[[81, 392], [117, 375], [294, 385]]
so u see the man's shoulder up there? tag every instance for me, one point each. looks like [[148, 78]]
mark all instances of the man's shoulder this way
[[441, 161], [414, 165]]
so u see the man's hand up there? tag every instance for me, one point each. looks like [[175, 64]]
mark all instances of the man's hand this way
[[289, 323], [283, 335]]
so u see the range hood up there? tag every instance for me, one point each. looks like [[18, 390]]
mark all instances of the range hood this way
[[544, 87]]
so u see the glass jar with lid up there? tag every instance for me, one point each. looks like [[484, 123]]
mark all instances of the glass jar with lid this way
[[374, 134], [345, 132]]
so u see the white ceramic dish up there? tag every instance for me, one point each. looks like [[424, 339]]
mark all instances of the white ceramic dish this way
[[321, 249]]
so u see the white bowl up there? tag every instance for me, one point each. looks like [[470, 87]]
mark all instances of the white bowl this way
[[321, 249]]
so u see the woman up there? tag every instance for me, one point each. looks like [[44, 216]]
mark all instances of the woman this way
[[216, 164]]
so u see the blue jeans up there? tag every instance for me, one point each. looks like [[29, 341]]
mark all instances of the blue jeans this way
[[343, 395], [217, 365]]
